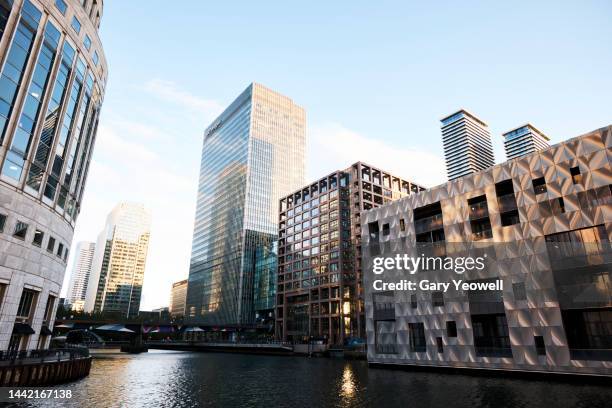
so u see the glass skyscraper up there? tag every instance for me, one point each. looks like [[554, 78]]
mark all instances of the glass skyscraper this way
[[524, 140], [252, 155], [52, 81], [119, 262]]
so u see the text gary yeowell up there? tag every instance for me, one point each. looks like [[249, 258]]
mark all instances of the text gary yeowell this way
[[412, 265]]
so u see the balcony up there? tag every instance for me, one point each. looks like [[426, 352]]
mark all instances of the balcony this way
[[431, 223], [506, 203]]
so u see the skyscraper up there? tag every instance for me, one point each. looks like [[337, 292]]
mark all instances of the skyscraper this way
[[467, 144], [177, 298], [252, 154], [320, 285], [524, 140], [52, 79], [81, 271], [119, 261]]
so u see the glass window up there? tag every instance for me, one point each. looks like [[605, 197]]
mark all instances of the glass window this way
[[2, 222], [76, 24], [21, 229], [95, 58], [87, 42], [28, 298], [51, 244], [61, 6], [38, 238], [60, 250]]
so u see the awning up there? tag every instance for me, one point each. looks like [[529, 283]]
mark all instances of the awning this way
[[115, 327], [65, 326], [163, 329], [22, 328], [192, 329], [44, 331]]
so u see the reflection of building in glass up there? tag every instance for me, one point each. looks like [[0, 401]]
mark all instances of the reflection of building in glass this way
[[252, 154], [81, 270], [178, 296], [320, 290], [467, 144], [52, 81], [119, 262], [544, 223], [524, 140]]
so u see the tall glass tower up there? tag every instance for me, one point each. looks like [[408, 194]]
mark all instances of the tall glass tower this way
[[524, 140], [119, 262], [81, 270], [467, 144], [252, 155]]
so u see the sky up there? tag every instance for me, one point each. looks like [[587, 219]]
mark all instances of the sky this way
[[374, 78]]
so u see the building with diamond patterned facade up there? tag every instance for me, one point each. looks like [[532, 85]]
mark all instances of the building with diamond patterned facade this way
[[52, 80], [543, 222]]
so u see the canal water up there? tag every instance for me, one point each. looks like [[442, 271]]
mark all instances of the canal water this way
[[186, 379]]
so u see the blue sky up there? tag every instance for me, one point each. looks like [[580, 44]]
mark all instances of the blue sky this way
[[376, 76]]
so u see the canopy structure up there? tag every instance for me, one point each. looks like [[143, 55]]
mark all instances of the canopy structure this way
[[192, 329], [65, 326], [115, 327], [22, 328]]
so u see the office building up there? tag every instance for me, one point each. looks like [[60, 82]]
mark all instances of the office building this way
[[524, 140], [52, 81], [467, 144], [542, 224], [178, 296], [117, 273], [81, 271], [320, 292], [252, 155]]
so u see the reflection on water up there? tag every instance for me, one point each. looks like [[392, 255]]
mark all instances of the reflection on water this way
[[177, 379]]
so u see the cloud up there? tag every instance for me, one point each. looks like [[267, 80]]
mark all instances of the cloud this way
[[170, 92], [333, 147]]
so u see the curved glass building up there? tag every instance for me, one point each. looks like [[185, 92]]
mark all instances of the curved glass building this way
[[52, 80]]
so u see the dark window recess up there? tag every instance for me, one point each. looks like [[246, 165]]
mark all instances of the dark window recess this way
[[402, 225], [557, 206], [440, 344], [491, 336], [479, 218], [576, 176], [437, 298], [588, 333], [2, 222], [373, 230], [413, 301], [451, 328], [386, 229], [21, 229], [417, 337], [51, 244], [519, 291], [428, 223], [507, 203], [539, 185], [540, 346], [38, 238]]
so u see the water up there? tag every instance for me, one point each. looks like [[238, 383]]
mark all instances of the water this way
[[185, 379]]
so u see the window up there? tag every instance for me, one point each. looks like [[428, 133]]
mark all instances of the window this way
[[386, 229], [539, 185], [576, 176], [437, 298], [61, 6], [49, 309], [87, 42], [38, 238], [95, 58], [557, 206], [51, 245], [3, 287], [417, 337], [519, 291], [439, 344], [413, 301], [21, 229], [2, 222], [451, 328], [28, 298], [540, 346], [60, 250], [402, 225], [76, 24]]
